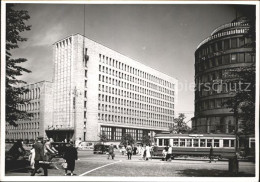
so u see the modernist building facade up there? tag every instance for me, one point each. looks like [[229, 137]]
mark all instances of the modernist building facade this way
[[226, 48], [98, 90], [40, 104]]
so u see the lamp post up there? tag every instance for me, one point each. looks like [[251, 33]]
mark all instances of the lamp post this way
[[75, 94]]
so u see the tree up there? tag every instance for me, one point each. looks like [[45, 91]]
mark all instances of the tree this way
[[127, 139], [179, 125], [242, 102], [103, 137], [146, 140], [15, 24]]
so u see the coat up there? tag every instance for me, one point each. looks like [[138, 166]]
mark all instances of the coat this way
[[39, 151], [71, 154]]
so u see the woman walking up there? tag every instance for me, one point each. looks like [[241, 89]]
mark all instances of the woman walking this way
[[70, 156], [148, 154]]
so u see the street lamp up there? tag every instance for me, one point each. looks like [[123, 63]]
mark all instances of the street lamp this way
[[75, 94]]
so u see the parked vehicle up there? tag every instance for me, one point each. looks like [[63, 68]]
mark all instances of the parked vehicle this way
[[100, 149]]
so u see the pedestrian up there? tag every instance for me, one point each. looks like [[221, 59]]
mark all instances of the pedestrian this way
[[210, 154], [111, 151], [39, 156], [147, 152], [129, 151], [164, 153], [78, 144], [134, 150], [123, 150], [71, 154], [169, 153], [32, 157]]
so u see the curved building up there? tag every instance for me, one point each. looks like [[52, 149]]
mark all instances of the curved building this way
[[228, 47]]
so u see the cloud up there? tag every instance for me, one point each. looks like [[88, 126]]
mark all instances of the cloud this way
[[51, 35]]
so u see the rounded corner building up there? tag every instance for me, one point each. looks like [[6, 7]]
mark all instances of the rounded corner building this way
[[228, 47]]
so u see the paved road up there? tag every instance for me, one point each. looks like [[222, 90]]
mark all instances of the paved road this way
[[98, 165]]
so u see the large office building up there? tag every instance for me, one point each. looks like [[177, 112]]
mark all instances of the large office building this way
[[98, 90], [40, 104], [228, 47]]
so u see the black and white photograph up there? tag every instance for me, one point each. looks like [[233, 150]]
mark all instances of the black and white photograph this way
[[129, 91]]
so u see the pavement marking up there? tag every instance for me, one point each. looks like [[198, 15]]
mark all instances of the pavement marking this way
[[99, 168]]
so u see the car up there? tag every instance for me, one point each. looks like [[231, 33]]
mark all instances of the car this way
[[100, 149]]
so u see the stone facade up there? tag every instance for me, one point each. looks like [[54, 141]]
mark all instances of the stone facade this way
[[106, 91], [41, 105]]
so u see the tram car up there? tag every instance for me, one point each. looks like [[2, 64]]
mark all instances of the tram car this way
[[196, 145]]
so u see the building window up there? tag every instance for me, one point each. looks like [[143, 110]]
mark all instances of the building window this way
[[241, 57], [226, 44], [233, 58], [241, 42], [234, 43]]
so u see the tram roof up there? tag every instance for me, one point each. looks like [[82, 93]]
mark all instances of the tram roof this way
[[194, 135]]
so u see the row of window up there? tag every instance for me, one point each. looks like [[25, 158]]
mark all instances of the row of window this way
[[31, 94], [21, 126], [135, 121], [132, 79], [154, 109], [29, 107], [233, 43], [111, 99], [188, 142], [224, 60], [128, 94], [211, 104], [114, 133], [23, 135], [117, 64]]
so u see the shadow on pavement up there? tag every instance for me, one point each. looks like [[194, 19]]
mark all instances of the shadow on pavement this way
[[211, 173]]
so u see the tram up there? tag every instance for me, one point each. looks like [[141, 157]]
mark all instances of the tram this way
[[196, 144]]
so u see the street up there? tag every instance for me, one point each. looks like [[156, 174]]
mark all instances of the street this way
[[90, 164]]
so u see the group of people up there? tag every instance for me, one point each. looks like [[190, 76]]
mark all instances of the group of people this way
[[167, 153], [43, 152]]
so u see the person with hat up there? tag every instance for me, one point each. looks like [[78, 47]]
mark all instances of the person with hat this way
[[39, 156]]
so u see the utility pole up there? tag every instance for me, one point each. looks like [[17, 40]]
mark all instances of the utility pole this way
[[75, 94]]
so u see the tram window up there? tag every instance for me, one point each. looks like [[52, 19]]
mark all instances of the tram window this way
[[166, 142], [182, 142], [160, 142], [202, 143], [216, 143], [232, 142], [209, 142], [226, 143], [175, 142], [195, 142], [189, 144]]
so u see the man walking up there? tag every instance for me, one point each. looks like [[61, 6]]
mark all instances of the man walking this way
[[169, 153], [39, 156], [129, 151], [111, 151]]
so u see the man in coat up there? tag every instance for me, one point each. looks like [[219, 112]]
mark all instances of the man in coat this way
[[111, 151], [39, 156]]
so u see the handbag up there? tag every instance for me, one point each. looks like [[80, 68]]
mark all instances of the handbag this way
[[64, 165]]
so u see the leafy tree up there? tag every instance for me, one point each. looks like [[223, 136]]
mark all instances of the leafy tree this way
[[127, 139], [243, 101], [179, 125], [146, 140], [103, 137], [15, 24]]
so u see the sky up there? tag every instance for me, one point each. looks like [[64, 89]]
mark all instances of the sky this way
[[163, 37]]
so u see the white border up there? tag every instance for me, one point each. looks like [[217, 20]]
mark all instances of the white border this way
[[79, 178]]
